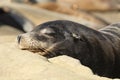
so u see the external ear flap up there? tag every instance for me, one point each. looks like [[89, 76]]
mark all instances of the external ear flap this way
[[75, 36]]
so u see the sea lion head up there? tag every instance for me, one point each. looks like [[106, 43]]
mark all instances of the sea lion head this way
[[51, 39]]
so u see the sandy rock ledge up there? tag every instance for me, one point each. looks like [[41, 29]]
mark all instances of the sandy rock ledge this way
[[16, 64]]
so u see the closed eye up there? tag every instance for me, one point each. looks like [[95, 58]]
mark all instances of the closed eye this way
[[81, 39], [47, 31], [50, 34]]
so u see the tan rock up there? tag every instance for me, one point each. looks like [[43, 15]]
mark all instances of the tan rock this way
[[99, 5], [9, 30], [17, 64], [86, 16], [38, 15], [8, 33], [7, 38], [110, 17], [71, 64]]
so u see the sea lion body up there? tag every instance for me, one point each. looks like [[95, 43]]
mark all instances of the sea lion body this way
[[10, 16], [98, 50]]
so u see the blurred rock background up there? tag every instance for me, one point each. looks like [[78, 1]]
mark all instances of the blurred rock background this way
[[92, 13]]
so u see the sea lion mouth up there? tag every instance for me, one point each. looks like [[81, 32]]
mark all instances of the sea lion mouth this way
[[45, 53], [38, 50], [34, 50]]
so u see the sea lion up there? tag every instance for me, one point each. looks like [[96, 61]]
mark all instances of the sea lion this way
[[9, 16], [99, 50]]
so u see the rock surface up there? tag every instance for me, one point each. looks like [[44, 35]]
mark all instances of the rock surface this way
[[16, 64], [82, 15], [94, 5], [9, 30], [23, 65], [38, 15], [110, 17]]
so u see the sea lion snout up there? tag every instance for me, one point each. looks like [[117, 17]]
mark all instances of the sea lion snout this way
[[23, 41]]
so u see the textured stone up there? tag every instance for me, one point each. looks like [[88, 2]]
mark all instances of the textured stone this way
[[17, 64], [8, 30], [93, 21], [38, 15], [92, 5]]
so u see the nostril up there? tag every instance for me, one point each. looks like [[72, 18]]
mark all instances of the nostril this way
[[18, 38]]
